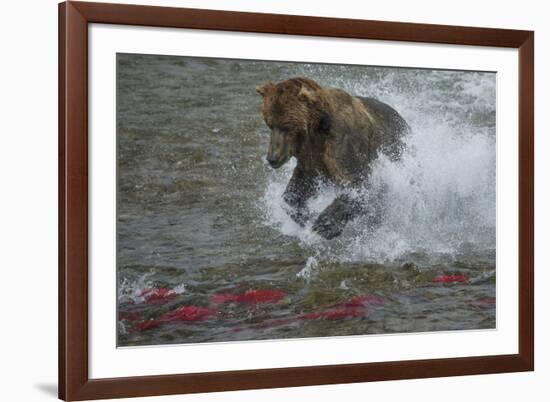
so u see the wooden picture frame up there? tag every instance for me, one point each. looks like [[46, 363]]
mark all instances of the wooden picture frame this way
[[74, 381]]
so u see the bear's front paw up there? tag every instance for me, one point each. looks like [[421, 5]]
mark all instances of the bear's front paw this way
[[327, 227], [298, 215]]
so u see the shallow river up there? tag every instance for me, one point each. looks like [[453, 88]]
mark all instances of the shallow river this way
[[207, 253]]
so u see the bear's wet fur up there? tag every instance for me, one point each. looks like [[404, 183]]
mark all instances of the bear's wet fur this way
[[335, 137]]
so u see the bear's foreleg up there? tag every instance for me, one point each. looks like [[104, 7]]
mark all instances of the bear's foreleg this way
[[333, 219], [298, 191]]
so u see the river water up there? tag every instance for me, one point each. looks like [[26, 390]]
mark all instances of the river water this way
[[201, 222]]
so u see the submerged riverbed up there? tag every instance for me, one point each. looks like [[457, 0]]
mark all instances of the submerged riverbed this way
[[207, 253]]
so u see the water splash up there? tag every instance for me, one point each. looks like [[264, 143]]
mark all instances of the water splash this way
[[308, 271], [439, 199], [143, 290], [132, 291]]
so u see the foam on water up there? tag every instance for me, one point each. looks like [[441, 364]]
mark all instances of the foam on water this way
[[440, 198], [133, 291], [307, 272]]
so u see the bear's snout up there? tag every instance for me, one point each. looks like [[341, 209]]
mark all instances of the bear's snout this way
[[272, 161]]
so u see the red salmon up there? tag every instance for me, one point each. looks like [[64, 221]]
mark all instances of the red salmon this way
[[450, 279], [189, 313], [185, 313], [250, 297], [154, 295]]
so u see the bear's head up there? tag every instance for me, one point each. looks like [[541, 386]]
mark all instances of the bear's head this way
[[294, 111]]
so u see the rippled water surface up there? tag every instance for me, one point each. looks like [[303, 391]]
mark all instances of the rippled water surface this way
[[207, 253]]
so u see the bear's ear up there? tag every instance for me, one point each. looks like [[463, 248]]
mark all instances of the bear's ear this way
[[307, 94], [263, 89]]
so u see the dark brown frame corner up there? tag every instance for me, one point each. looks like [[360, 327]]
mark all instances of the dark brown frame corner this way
[[74, 382]]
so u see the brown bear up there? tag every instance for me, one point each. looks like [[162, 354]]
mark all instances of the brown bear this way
[[334, 137]]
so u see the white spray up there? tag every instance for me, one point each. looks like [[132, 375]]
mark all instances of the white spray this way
[[441, 196]]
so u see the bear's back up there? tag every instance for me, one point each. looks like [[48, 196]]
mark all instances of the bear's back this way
[[389, 127]]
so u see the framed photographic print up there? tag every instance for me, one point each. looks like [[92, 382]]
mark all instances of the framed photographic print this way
[[259, 200]]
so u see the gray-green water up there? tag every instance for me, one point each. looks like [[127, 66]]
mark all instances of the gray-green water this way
[[200, 211]]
